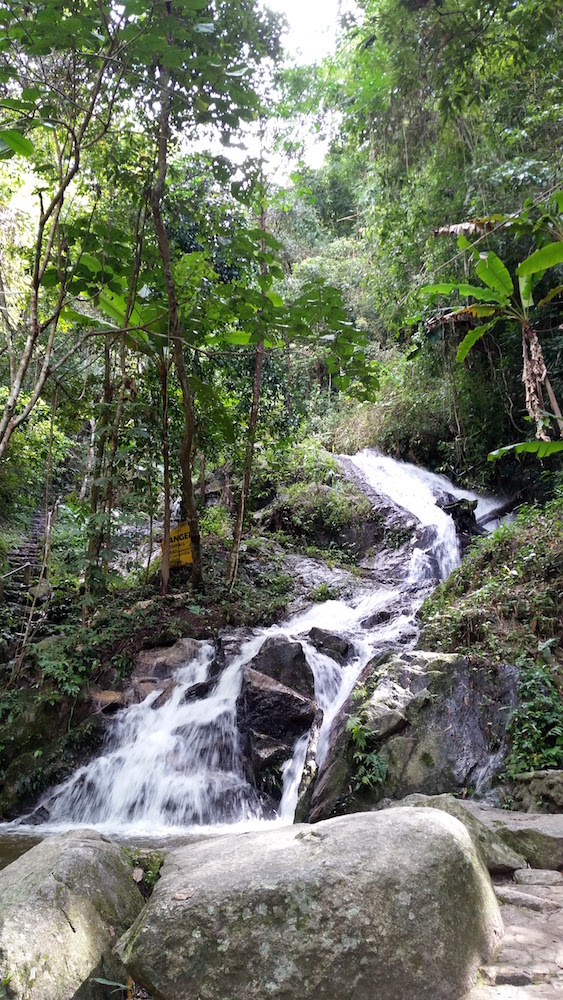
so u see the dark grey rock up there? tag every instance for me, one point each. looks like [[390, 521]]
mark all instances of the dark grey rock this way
[[285, 661], [335, 646], [268, 707]]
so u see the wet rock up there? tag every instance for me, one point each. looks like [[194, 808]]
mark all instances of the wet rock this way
[[394, 904], [108, 701], [268, 707], [379, 617], [266, 752], [161, 663], [437, 722], [286, 663], [335, 646], [63, 905], [462, 513], [382, 722], [310, 769], [498, 856], [196, 691]]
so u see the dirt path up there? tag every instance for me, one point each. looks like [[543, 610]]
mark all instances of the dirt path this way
[[529, 964]]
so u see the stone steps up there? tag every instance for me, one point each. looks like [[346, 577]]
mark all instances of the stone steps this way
[[529, 963]]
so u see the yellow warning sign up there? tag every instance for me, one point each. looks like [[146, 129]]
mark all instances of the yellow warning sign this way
[[180, 546]]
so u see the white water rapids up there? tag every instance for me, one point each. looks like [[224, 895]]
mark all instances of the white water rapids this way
[[174, 762]]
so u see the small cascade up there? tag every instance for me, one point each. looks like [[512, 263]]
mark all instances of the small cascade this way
[[175, 761], [174, 764]]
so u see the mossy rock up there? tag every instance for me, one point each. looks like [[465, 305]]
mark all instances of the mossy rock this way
[[62, 905]]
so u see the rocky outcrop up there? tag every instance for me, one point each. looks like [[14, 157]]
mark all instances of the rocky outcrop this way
[[436, 721], [395, 904], [538, 837], [285, 662], [265, 706], [499, 858], [62, 907], [270, 718], [533, 789], [335, 646]]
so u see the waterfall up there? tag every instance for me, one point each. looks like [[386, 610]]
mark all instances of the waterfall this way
[[174, 761]]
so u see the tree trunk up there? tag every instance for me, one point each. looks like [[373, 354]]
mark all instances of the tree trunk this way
[[165, 570], [534, 377], [232, 567], [187, 447], [94, 532]]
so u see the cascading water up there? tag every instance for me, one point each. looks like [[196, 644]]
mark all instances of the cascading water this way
[[174, 762]]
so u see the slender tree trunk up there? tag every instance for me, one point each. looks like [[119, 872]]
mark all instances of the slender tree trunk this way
[[232, 567], [91, 459], [165, 571], [94, 533], [202, 477], [187, 446]]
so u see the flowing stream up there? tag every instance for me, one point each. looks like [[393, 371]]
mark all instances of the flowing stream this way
[[173, 762]]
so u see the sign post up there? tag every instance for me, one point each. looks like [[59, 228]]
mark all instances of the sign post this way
[[180, 546]]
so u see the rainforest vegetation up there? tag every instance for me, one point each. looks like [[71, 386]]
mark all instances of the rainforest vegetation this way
[[181, 336]]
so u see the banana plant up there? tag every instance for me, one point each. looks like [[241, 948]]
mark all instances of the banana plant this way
[[498, 299]]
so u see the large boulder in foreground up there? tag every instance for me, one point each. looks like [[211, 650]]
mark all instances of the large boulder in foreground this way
[[499, 858], [394, 905], [62, 907]]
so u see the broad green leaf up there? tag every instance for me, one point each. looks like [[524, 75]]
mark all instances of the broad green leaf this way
[[548, 256], [91, 262], [463, 243], [552, 294], [540, 448], [14, 105], [525, 285], [17, 142], [31, 94], [275, 299], [483, 294], [75, 316], [494, 274], [471, 338]]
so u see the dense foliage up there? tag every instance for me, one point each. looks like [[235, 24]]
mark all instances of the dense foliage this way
[[179, 336]]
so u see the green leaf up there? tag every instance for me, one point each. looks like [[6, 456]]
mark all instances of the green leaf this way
[[525, 285], [494, 274], [17, 142], [540, 448], [463, 243], [91, 262], [483, 294], [14, 105], [471, 338], [548, 256], [275, 299], [552, 294]]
